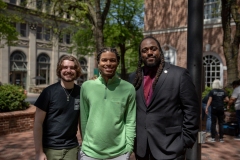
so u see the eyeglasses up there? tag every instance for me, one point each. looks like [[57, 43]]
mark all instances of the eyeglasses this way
[[152, 48]]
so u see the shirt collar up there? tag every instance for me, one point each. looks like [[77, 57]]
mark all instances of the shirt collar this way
[[150, 71], [112, 80]]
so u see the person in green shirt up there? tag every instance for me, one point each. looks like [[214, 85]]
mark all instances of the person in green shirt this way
[[108, 112]]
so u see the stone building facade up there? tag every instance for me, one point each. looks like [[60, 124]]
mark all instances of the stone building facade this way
[[33, 61]]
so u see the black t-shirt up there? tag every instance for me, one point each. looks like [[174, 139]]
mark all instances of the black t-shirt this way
[[218, 96], [61, 122]]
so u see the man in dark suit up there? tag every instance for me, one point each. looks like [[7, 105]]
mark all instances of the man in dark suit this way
[[167, 106]]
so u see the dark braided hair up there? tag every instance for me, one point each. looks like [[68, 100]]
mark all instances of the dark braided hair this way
[[105, 49], [138, 79]]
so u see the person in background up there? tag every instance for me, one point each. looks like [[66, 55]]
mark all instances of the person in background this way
[[235, 99], [217, 97], [167, 106], [108, 112], [57, 114], [208, 121]]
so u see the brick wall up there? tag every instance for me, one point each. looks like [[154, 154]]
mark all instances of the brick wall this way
[[17, 121]]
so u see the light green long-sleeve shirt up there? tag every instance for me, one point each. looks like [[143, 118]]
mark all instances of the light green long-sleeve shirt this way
[[108, 117]]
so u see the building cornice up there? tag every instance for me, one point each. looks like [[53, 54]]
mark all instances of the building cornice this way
[[207, 25]]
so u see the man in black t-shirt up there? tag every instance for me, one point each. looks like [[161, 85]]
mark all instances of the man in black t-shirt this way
[[57, 114]]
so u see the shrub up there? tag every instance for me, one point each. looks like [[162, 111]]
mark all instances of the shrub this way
[[206, 91], [229, 91], [12, 98]]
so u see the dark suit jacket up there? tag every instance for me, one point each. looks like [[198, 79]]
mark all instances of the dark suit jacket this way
[[170, 123]]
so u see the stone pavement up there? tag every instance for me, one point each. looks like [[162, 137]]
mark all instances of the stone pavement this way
[[20, 146]]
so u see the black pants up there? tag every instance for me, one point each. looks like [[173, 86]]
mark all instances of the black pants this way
[[217, 114], [149, 156]]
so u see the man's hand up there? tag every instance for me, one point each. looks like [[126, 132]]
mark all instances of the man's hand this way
[[206, 111], [40, 156]]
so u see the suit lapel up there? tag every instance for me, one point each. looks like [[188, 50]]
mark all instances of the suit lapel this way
[[160, 82], [142, 93], [140, 90]]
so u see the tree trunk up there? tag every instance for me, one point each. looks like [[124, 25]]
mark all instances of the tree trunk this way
[[228, 47], [97, 18], [99, 26], [122, 60], [235, 12]]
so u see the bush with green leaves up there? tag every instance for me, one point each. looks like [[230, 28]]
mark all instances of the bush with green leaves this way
[[206, 91], [229, 91], [12, 98]]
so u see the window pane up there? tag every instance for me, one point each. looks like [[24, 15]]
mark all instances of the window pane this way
[[48, 5], [43, 68], [39, 32], [68, 39], [47, 34], [212, 69], [13, 1], [23, 29], [39, 4], [212, 9]]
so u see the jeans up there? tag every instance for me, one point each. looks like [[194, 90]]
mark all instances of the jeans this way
[[208, 121]]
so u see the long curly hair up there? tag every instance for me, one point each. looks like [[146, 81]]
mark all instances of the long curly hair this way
[[138, 79], [77, 66]]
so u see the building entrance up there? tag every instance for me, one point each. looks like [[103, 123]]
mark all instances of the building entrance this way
[[19, 78], [18, 68]]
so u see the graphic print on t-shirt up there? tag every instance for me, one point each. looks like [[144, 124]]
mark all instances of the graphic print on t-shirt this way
[[76, 104], [218, 93]]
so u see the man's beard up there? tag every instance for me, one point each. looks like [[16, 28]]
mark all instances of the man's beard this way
[[155, 64], [68, 80]]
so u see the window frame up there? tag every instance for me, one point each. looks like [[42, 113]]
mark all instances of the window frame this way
[[23, 29], [212, 10], [213, 68], [44, 34]]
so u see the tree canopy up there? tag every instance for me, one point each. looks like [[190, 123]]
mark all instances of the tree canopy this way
[[8, 33], [123, 29]]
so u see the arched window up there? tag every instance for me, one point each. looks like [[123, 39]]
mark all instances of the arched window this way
[[170, 54], [43, 68], [83, 63], [212, 68], [18, 61], [83, 77], [18, 69]]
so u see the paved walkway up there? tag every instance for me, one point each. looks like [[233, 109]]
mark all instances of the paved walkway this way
[[20, 146]]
